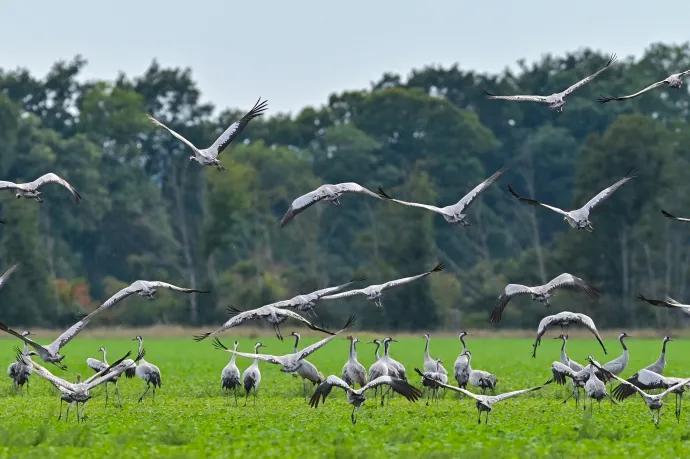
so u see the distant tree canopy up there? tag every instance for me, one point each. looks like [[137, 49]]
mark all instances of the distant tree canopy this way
[[149, 213]]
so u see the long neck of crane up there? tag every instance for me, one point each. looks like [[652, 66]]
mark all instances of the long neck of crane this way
[[353, 351], [104, 358], [426, 349], [662, 357], [625, 348], [378, 345], [462, 340], [385, 348], [296, 344], [26, 348], [564, 357], [256, 351], [232, 359], [141, 346], [469, 358]]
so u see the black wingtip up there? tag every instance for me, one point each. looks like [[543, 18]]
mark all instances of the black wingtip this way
[[632, 172], [603, 99], [359, 279], [438, 267], [641, 297], [486, 93], [234, 310], [79, 315], [382, 193], [218, 345], [612, 59], [666, 214], [350, 321], [512, 191], [140, 356], [495, 316], [201, 337]]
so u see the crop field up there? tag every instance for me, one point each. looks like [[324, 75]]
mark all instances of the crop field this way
[[191, 417]]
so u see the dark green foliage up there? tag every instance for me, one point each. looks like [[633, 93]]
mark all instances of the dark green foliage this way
[[149, 213]]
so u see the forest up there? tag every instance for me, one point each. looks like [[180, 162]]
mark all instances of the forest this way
[[431, 136]]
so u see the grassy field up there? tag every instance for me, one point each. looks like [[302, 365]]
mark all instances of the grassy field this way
[[191, 417]]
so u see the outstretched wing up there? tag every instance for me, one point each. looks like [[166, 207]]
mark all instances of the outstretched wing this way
[[294, 315], [584, 81], [276, 360], [4, 185], [327, 291], [407, 280], [240, 318], [352, 187], [158, 284], [361, 291], [541, 99], [568, 281], [534, 202], [28, 341], [121, 295], [400, 386], [53, 178], [302, 203], [304, 353], [560, 371], [179, 136], [47, 375], [515, 393], [680, 219], [96, 365], [470, 197], [605, 193], [510, 291], [324, 389], [589, 324], [610, 375], [643, 379], [660, 303], [5, 277], [604, 99], [435, 383], [674, 387], [235, 128], [383, 195]]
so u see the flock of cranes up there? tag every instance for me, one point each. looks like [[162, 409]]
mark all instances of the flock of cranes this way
[[385, 374]]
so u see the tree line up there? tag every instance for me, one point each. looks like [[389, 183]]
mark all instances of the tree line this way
[[149, 213]]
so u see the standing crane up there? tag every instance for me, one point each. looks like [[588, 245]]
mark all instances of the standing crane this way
[[98, 365], [660, 364], [307, 371], [353, 371], [251, 378], [18, 372], [431, 365], [654, 402], [595, 387], [147, 372], [460, 369], [616, 366], [565, 360], [481, 379], [230, 377]]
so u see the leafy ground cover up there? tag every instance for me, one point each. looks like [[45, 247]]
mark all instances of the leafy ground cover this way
[[191, 417]]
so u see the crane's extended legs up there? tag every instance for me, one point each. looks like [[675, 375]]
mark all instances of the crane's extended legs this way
[[106, 394], [235, 390], [246, 397], [148, 386]]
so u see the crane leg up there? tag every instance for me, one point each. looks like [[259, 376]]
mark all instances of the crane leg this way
[[106, 394], [428, 394], [117, 393], [255, 396], [235, 390], [153, 399], [148, 386], [479, 416], [487, 418], [246, 397], [60, 415], [27, 387], [67, 414]]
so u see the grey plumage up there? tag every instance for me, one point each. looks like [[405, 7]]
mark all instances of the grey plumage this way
[[565, 319], [147, 372], [674, 80], [460, 368], [353, 371], [579, 218], [230, 379]]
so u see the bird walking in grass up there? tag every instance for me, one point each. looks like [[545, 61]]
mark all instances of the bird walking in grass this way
[[461, 366], [98, 365], [251, 378], [353, 371], [306, 370], [595, 387], [147, 372], [19, 372], [230, 376]]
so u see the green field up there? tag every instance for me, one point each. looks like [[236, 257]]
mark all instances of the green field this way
[[190, 416]]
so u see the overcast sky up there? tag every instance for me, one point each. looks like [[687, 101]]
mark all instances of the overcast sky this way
[[297, 52]]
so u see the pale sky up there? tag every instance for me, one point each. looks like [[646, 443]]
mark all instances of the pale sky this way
[[295, 53]]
